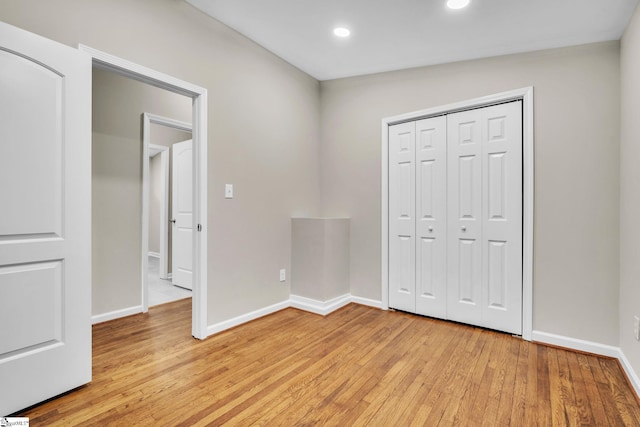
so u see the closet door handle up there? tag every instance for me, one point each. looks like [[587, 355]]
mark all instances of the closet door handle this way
[[430, 229], [463, 228], [172, 221]]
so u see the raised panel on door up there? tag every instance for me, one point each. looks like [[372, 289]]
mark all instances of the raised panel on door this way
[[464, 217], [45, 252], [431, 216], [182, 210], [502, 217], [402, 235]]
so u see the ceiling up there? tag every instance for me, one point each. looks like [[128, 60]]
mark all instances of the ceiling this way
[[396, 34]]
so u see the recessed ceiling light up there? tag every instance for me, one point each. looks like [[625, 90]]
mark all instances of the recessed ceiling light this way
[[341, 32], [457, 4]]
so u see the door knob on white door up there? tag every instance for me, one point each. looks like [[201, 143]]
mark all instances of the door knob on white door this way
[[172, 221], [430, 229], [463, 228]]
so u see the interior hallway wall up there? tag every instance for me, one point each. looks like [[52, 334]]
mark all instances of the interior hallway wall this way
[[577, 108]]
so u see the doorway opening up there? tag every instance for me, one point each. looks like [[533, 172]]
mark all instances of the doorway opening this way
[[198, 196], [161, 135]]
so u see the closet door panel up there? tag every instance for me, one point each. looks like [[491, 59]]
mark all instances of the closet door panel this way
[[502, 217], [464, 192], [431, 216], [402, 207]]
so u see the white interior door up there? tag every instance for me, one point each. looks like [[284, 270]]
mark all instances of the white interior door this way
[[182, 211], [45, 219], [431, 217], [464, 187], [502, 217], [485, 217], [402, 223]]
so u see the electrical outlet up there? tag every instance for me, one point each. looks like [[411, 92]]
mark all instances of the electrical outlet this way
[[228, 191], [283, 275]]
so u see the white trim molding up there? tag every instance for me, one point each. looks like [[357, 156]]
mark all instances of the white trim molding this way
[[590, 347], [153, 254], [248, 317], [526, 95], [306, 304], [112, 315], [199, 98], [366, 301], [575, 344], [319, 307]]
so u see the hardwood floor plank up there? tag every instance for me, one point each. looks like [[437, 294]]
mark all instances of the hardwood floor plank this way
[[357, 366]]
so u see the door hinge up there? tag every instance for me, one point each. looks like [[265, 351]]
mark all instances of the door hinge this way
[[199, 227]]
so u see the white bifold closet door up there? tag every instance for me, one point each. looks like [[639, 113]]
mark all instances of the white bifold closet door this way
[[455, 217]]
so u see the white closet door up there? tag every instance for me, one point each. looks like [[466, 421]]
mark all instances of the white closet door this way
[[431, 217], [402, 224], [464, 188], [502, 217]]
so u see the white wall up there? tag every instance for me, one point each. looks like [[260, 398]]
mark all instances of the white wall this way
[[263, 130], [577, 107], [630, 190]]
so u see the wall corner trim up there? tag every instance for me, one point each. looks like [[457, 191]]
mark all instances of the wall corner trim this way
[[319, 307], [112, 315], [236, 321], [306, 304], [590, 347]]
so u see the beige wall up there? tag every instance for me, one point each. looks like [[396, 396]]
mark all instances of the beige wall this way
[[263, 130], [118, 104], [576, 166], [630, 190]]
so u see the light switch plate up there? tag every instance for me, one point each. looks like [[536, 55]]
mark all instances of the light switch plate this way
[[228, 191], [283, 275]]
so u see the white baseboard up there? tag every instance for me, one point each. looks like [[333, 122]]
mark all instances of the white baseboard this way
[[590, 347], [319, 307], [99, 318], [366, 301], [575, 344], [228, 324], [154, 254], [631, 374]]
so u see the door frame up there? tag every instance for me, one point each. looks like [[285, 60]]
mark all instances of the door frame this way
[[147, 120], [526, 96], [105, 61]]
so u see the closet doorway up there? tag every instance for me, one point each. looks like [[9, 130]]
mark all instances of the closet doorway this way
[[457, 212]]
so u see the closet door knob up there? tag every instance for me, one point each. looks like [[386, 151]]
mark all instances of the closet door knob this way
[[172, 221], [464, 228], [430, 229]]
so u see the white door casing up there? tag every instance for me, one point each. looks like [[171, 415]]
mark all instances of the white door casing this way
[[182, 211], [431, 216], [103, 60], [402, 224], [45, 219]]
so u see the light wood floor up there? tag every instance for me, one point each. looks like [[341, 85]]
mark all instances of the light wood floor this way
[[358, 366]]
